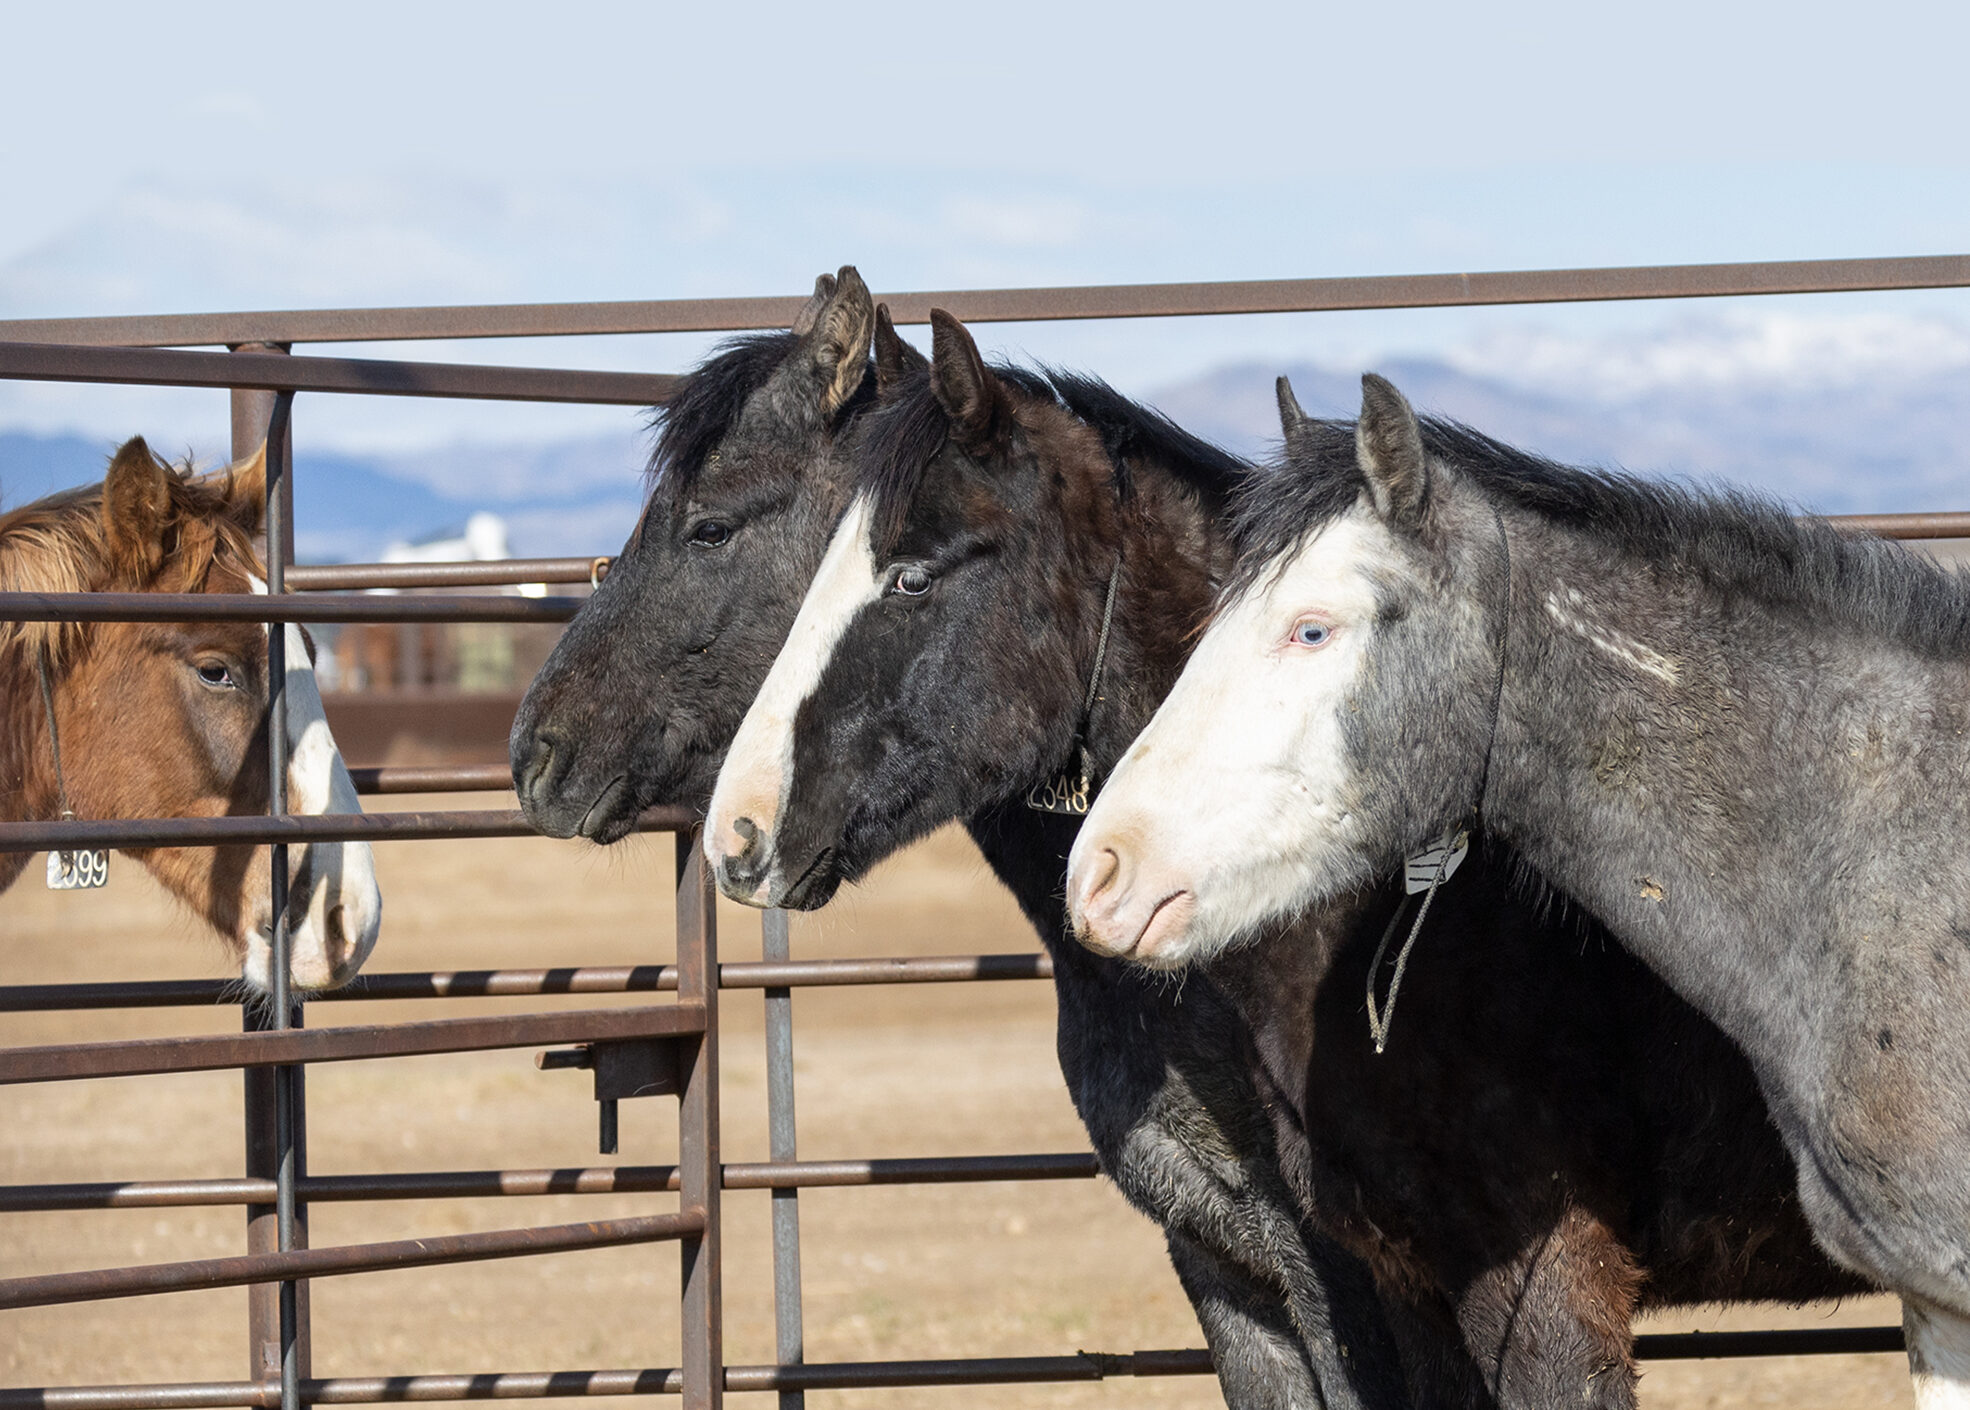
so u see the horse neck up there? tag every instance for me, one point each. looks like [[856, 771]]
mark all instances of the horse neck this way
[[1174, 548], [1736, 794]]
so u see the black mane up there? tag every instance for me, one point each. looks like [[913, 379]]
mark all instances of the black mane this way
[[710, 397], [904, 436], [1743, 542], [1132, 432]]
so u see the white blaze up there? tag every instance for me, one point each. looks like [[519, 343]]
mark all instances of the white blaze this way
[[758, 774], [344, 908]]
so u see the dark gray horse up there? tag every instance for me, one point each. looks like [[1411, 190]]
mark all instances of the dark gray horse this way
[[1738, 739], [642, 695]]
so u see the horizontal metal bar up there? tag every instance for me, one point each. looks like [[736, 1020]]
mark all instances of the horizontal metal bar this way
[[1015, 305], [297, 828], [591, 1180], [275, 607], [505, 983], [209, 1052], [98, 1284], [1087, 1366], [537, 1385], [434, 778], [1906, 526], [498, 572], [277, 372]]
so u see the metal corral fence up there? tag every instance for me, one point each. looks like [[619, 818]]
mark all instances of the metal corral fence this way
[[666, 1048]]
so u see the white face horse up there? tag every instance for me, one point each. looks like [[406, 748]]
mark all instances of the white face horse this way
[[1224, 812], [1727, 735]]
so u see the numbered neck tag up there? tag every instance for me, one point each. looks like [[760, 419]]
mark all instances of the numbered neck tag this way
[[1064, 793], [77, 871], [1419, 872]]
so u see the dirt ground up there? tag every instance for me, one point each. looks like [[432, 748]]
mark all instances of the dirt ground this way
[[999, 1269]]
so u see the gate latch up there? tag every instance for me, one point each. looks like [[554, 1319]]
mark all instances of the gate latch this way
[[633, 1067]]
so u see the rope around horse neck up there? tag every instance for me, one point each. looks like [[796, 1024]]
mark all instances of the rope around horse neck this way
[[1380, 1018], [54, 732], [1069, 792]]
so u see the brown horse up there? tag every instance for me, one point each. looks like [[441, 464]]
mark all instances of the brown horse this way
[[169, 720]]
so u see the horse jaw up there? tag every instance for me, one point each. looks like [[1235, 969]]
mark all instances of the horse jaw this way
[[335, 908], [1234, 806]]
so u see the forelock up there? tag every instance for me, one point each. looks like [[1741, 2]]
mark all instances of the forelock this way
[[707, 403]]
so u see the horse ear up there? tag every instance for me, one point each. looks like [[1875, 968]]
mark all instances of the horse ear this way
[[1294, 424], [246, 491], [804, 321], [1389, 446], [959, 379], [838, 341], [895, 359], [136, 510]]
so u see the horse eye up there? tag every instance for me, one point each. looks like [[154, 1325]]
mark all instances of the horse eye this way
[[710, 534], [911, 581], [1311, 633], [217, 675]]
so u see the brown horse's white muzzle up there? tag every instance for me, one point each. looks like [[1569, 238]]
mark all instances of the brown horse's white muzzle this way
[[334, 913], [1125, 910]]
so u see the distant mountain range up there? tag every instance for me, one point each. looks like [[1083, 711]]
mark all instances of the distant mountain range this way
[[1841, 417]]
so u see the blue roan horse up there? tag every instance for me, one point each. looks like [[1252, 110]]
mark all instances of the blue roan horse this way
[[1740, 741]]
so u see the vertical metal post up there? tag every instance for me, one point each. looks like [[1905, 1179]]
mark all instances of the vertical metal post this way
[[700, 1174], [787, 1338], [286, 1096], [275, 1101]]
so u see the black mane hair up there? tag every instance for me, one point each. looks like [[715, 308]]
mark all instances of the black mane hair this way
[[710, 397], [905, 435], [1132, 432], [1743, 542]]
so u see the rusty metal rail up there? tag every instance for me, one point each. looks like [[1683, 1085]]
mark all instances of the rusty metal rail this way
[[48, 1289], [501, 572], [587, 1180], [1029, 305], [146, 1057], [515, 983], [280, 372], [249, 830], [840, 1375]]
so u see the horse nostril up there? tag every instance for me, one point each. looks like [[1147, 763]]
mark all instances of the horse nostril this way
[[530, 774], [1107, 866], [748, 833]]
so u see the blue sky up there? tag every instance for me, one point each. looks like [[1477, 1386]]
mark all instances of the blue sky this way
[[229, 156]]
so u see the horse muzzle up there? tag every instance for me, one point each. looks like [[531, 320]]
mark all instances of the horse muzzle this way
[[1118, 910]]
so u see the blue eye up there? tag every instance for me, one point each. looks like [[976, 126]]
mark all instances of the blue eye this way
[[1311, 633]]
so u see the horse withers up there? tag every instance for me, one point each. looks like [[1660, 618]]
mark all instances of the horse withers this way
[[163, 720], [1734, 737]]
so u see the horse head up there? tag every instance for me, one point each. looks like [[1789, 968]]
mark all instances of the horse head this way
[[159, 720], [641, 695]]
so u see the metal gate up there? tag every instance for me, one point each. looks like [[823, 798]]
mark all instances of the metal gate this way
[[668, 1048]]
